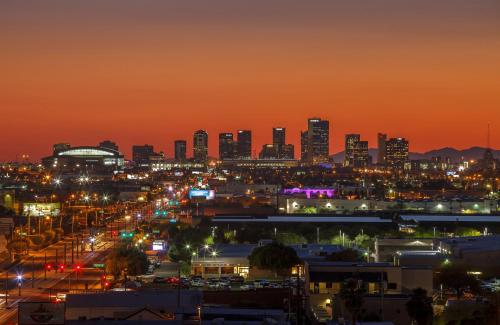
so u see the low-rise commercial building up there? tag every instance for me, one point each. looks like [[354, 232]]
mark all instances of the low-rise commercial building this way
[[386, 287], [232, 259]]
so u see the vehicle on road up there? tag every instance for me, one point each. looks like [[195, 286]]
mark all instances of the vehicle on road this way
[[247, 286]]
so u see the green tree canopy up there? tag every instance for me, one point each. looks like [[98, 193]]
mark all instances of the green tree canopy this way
[[419, 307], [351, 293], [134, 261], [274, 257], [456, 278]]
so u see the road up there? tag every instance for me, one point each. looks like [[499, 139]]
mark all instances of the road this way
[[78, 273]]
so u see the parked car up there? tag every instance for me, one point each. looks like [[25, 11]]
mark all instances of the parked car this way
[[247, 286], [261, 283], [197, 283], [236, 279], [159, 279]]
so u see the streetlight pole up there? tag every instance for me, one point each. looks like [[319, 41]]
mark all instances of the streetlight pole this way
[[19, 283], [32, 271], [6, 288]]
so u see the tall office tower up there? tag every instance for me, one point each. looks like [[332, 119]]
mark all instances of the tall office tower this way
[[244, 144], [317, 142], [180, 150], [381, 139], [60, 147], [226, 146], [350, 143], [396, 152], [109, 145], [360, 156], [200, 146], [287, 151], [303, 145], [279, 136], [268, 152], [141, 154]]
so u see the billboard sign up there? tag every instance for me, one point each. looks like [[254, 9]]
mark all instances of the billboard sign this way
[[206, 194], [36, 313], [159, 245], [41, 209]]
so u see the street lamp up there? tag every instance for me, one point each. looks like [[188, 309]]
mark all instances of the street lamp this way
[[19, 279]]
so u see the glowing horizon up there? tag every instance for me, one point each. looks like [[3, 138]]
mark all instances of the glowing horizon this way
[[153, 71]]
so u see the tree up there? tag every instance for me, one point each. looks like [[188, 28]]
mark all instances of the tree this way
[[457, 278], [351, 293], [274, 257], [289, 238], [420, 307], [346, 255], [130, 260]]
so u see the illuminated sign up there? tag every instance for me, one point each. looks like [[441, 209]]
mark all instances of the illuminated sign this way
[[328, 192], [207, 194], [41, 209], [159, 245]]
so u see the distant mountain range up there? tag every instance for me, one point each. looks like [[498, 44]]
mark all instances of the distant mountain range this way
[[455, 154]]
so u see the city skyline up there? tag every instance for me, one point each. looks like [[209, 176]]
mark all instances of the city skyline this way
[[214, 146], [88, 71]]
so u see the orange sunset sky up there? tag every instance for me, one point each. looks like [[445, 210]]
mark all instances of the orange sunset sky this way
[[149, 71]]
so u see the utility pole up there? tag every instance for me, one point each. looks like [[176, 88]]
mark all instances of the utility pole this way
[[72, 251], [179, 286], [6, 288], [45, 267], [64, 258], [32, 271]]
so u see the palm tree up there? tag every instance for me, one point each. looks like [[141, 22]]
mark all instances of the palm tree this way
[[352, 293], [419, 307]]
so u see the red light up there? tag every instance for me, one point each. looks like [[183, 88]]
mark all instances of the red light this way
[[106, 284], [49, 267]]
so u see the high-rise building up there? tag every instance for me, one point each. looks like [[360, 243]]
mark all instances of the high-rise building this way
[[244, 144], [381, 139], [356, 151], [200, 146], [180, 150], [279, 136], [360, 156], [304, 144], [268, 152], [109, 145], [141, 154], [350, 143], [317, 141], [226, 146], [396, 152], [278, 149], [287, 151]]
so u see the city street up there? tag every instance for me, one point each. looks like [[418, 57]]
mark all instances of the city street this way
[[56, 270]]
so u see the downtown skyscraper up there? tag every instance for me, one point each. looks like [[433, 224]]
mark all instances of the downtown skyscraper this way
[[200, 146], [315, 141]]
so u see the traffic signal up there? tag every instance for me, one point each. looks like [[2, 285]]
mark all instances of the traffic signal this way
[[61, 268], [48, 267], [78, 267]]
